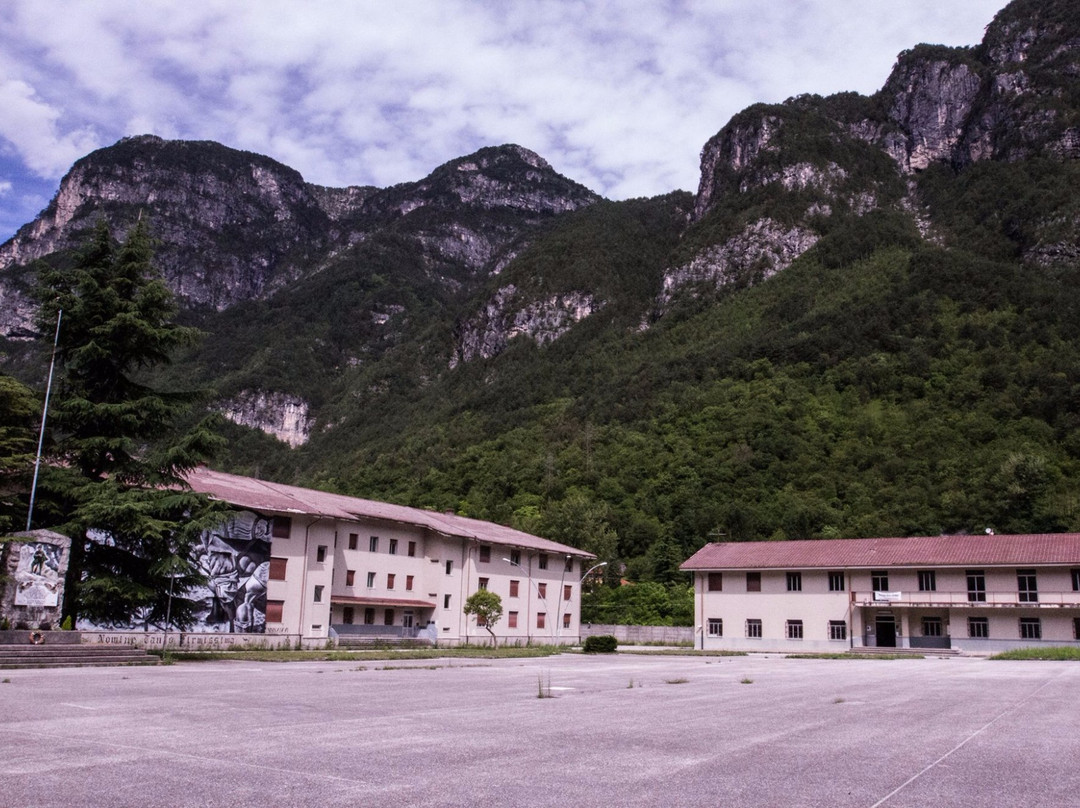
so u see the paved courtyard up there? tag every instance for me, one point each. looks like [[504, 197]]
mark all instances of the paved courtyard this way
[[618, 731]]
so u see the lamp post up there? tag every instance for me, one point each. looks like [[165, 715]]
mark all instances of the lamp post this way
[[581, 580]]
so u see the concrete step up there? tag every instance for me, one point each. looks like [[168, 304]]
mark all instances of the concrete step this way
[[63, 656]]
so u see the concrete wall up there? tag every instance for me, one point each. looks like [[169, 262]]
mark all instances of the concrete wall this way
[[636, 635]]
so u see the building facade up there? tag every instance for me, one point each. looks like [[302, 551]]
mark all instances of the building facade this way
[[978, 594], [307, 563]]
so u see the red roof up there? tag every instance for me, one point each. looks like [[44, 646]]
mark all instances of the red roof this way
[[267, 497], [920, 551]]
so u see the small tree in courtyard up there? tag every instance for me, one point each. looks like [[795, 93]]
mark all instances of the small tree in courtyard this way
[[487, 606]]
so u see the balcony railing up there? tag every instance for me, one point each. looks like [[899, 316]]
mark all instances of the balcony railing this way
[[962, 599]]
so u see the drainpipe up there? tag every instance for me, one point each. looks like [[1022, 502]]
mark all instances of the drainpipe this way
[[304, 577]]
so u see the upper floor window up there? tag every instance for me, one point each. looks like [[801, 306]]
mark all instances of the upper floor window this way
[[715, 582], [483, 584], [1026, 585], [353, 540], [879, 580], [514, 589], [1076, 580], [373, 544], [515, 557], [485, 553], [927, 581], [541, 590], [542, 561], [277, 569], [753, 582], [412, 549], [569, 564], [320, 553], [281, 527], [449, 567], [393, 546], [976, 585], [794, 582], [836, 581]]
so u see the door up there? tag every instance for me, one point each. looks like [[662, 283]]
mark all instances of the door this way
[[885, 626]]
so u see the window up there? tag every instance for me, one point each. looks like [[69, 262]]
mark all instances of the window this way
[[281, 527], [371, 580], [318, 593], [794, 629], [348, 614], [716, 627], [541, 590], [446, 602], [931, 627], [1030, 628], [393, 546], [976, 585], [388, 617], [483, 583], [369, 616], [979, 627], [1076, 628], [514, 589], [566, 621], [449, 567], [794, 582], [274, 609], [753, 582], [408, 583], [753, 629], [412, 549], [515, 557], [879, 580], [569, 564], [567, 590], [715, 582], [373, 544], [542, 561], [1076, 580], [485, 553], [481, 620], [927, 581], [511, 619], [541, 619], [277, 569], [320, 553], [353, 539], [837, 630], [350, 577], [390, 577], [1025, 584], [836, 581]]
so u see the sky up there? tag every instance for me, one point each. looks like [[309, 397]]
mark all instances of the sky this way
[[619, 95]]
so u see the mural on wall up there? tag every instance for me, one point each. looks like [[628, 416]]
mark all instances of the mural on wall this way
[[235, 558], [37, 577]]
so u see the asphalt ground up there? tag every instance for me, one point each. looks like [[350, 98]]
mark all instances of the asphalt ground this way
[[622, 730]]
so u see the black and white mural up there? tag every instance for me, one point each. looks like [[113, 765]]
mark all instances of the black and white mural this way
[[235, 558], [38, 578]]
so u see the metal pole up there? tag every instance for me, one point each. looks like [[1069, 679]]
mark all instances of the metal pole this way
[[44, 415], [168, 618]]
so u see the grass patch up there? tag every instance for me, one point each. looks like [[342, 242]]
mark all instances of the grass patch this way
[[543, 687], [332, 655], [1053, 652], [746, 681], [680, 681]]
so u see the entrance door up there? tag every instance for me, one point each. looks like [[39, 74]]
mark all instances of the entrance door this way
[[886, 631], [407, 620]]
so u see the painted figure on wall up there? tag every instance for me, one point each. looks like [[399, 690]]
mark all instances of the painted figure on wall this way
[[37, 578], [235, 558]]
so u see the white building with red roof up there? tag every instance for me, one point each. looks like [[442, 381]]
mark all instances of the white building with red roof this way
[[980, 594], [310, 564]]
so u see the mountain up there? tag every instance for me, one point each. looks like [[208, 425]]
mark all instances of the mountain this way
[[864, 322]]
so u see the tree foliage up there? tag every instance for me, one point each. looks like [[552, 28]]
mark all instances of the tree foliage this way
[[487, 607], [19, 411], [120, 446]]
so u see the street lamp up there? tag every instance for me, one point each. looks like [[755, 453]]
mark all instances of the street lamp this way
[[580, 581]]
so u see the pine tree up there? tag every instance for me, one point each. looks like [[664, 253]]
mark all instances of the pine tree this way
[[120, 447], [19, 411]]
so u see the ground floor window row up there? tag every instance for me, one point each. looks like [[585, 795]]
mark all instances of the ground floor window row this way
[[1028, 628], [793, 629]]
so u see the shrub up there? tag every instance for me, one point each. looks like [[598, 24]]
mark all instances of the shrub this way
[[601, 644]]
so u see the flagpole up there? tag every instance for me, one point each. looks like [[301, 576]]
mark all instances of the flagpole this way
[[44, 415]]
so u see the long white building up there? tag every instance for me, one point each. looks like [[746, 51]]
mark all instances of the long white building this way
[[980, 594], [300, 562]]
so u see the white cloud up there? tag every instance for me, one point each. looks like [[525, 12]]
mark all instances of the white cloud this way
[[620, 96]]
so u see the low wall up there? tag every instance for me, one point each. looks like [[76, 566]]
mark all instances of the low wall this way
[[199, 640], [24, 637], [642, 635]]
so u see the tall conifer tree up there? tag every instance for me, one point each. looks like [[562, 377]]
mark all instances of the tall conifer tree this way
[[120, 445]]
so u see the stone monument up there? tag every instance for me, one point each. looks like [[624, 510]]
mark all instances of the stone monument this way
[[33, 566]]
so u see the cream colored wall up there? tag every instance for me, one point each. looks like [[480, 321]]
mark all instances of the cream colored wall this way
[[300, 614], [774, 606]]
